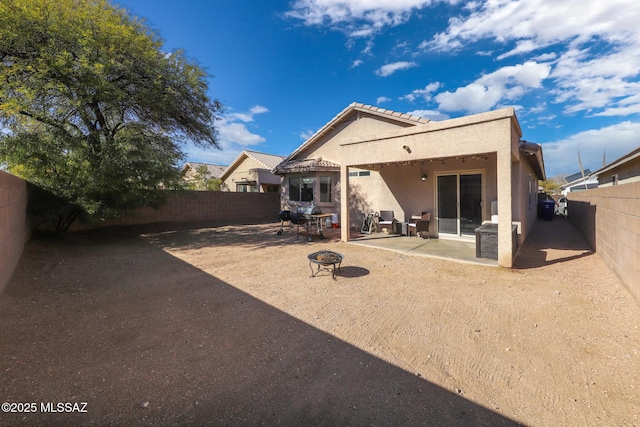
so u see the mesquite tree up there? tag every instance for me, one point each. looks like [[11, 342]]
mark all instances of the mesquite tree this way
[[92, 109]]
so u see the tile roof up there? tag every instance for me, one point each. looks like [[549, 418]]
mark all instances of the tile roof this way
[[215, 171], [305, 165]]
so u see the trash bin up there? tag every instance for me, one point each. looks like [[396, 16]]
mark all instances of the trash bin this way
[[547, 208]]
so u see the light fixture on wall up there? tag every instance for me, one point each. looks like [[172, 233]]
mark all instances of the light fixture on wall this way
[[423, 176], [406, 147]]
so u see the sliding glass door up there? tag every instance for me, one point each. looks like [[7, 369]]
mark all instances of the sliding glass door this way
[[448, 204], [459, 203]]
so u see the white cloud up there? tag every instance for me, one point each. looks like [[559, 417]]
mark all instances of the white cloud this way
[[358, 18], [247, 116], [562, 156], [233, 136], [607, 82], [506, 84], [539, 23], [596, 46], [423, 93], [388, 69], [237, 133], [259, 109], [382, 99], [429, 114], [304, 135], [356, 63], [377, 13]]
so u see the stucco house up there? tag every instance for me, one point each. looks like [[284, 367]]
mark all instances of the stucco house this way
[[624, 170], [464, 171], [579, 181], [251, 172], [191, 171]]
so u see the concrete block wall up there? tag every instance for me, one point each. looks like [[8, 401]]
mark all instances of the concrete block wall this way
[[609, 219], [201, 207], [14, 228]]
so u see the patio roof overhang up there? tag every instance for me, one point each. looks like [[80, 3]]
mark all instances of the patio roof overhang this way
[[422, 162]]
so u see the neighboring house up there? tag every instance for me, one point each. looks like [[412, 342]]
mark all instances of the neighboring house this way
[[213, 171], [624, 170], [579, 182], [191, 171], [251, 172], [463, 171]]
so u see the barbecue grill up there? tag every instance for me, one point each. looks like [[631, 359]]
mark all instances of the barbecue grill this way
[[304, 216], [310, 211]]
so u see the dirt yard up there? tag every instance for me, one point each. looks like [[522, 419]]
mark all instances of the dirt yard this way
[[224, 326]]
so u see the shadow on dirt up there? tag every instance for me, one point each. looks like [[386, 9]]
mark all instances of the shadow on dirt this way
[[558, 236], [152, 340], [254, 236], [351, 272]]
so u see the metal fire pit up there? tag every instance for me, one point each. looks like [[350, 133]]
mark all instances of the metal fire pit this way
[[324, 259]]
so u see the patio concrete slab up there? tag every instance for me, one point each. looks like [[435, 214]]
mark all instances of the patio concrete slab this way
[[458, 250]]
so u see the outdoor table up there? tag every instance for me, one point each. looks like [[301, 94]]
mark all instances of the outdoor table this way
[[323, 259], [318, 218]]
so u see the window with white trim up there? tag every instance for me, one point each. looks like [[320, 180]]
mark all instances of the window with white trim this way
[[325, 189]]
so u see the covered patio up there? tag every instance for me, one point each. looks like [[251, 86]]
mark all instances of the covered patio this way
[[455, 250], [460, 173]]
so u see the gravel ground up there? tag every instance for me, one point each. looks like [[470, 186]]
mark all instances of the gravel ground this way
[[224, 326]]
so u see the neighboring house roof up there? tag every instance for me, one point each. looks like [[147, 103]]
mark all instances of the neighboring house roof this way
[[269, 161], [619, 162], [577, 182], [214, 171], [287, 163]]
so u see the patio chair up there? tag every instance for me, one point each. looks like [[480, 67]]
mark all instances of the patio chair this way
[[387, 220], [419, 224]]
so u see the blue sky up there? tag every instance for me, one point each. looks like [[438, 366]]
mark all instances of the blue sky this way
[[283, 69]]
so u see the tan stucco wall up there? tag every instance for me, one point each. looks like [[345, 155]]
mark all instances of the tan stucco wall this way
[[328, 147], [401, 189], [525, 207], [14, 228]]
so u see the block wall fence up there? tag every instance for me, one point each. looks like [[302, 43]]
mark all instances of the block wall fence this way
[[14, 226], [200, 207], [609, 219]]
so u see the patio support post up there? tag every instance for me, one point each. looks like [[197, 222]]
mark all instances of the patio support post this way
[[345, 220], [505, 204]]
